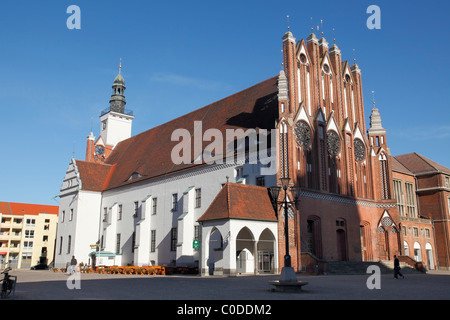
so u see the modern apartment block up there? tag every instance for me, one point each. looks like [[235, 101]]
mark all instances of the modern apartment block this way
[[27, 234]]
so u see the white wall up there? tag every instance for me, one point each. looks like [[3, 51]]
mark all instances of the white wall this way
[[82, 226], [209, 178], [118, 127], [88, 226]]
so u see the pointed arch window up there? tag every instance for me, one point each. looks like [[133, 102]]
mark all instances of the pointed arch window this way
[[384, 175], [322, 156], [333, 147]]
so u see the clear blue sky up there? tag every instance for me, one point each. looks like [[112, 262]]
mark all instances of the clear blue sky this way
[[181, 55]]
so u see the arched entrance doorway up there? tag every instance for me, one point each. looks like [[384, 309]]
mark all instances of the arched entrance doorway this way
[[215, 254], [266, 254], [366, 241], [245, 256], [429, 254], [383, 243], [341, 239], [255, 256], [341, 245], [417, 252], [405, 248]]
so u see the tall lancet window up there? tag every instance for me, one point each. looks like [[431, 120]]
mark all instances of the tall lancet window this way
[[331, 90], [299, 81], [308, 91], [353, 107], [333, 147], [323, 164], [323, 88], [284, 150], [385, 190], [345, 102]]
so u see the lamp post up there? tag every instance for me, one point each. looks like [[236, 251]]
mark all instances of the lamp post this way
[[287, 256], [287, 272]]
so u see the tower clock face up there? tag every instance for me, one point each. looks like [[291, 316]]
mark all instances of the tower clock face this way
[[99, 150]]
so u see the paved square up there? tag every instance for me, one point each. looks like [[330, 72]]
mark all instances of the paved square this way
[[47, 285]]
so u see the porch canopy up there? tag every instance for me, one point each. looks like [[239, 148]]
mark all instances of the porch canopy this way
[[240, 219]]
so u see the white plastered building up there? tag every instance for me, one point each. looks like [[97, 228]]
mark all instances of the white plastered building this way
[[128, 203]]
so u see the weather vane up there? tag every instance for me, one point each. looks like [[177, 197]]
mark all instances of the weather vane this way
[[287, 18]]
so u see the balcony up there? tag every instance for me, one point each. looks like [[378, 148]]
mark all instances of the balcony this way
[[5, 224], [16, 236], [17, 224], [14, 249], [105, 111], [4, 236]]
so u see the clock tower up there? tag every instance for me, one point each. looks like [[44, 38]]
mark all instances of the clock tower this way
[[115, 123]]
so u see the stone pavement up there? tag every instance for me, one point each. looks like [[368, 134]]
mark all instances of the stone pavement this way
[[47, 285]]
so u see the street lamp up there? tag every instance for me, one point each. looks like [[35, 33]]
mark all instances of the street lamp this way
[[287, 272]]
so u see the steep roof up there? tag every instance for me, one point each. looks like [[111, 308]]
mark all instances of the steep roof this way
[[16, 208], [240, 201], [148, 155], [397, 166], [418, 164], [94, 176]]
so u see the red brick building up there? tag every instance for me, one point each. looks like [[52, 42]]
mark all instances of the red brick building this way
[[347, 208], [355, 202], [425, 211]]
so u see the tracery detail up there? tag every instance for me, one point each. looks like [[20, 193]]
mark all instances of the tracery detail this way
[[333, 143], [360, 151], [303, 133]]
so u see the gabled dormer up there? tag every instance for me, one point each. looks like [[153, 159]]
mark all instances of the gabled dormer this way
[[302, 54], [326, 65], [347, 73], [303, 76]]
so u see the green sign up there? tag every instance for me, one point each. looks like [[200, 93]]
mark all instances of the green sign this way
[[196, 244]]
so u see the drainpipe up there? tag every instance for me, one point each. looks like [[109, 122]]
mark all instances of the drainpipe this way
[[435, 247]]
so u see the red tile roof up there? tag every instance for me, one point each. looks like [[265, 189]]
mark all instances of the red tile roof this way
[[240, 201], [94, 176], [16, 208], [5, 208], [397, 166], [149, 154], [417, 164]]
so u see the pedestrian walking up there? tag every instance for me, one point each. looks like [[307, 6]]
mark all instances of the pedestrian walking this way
[[397, 268], [73, 265]]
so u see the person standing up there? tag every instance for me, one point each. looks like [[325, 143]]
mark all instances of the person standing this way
[[397, 268]]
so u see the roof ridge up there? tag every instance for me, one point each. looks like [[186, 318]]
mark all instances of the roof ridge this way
[[256, 103], [204, 107], [95, 163], [428, 161], [403, 162], [108, 177], [411, 162]]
